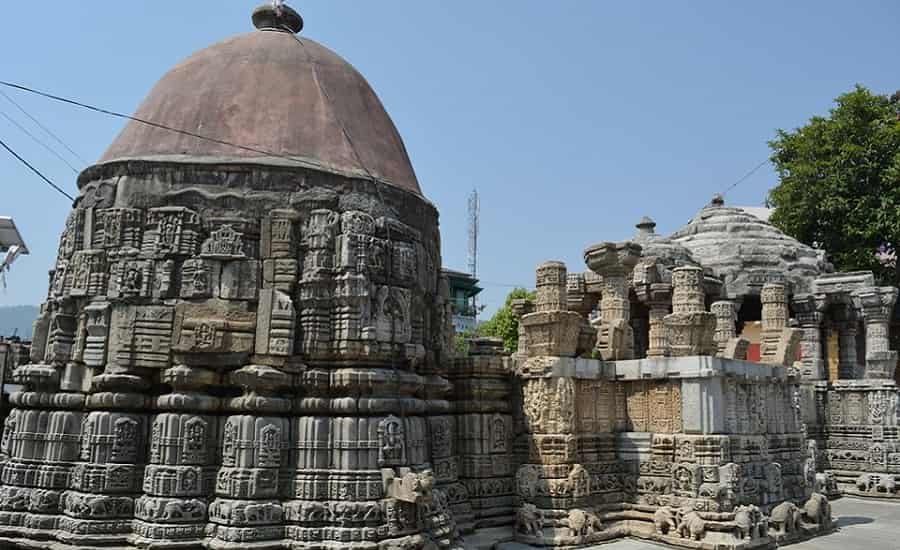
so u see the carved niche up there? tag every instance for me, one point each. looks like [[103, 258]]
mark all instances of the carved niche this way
[[391, 442]]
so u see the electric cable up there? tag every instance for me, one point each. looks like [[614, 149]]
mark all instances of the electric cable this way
[[35, 170], [45, 129], [37, 140]]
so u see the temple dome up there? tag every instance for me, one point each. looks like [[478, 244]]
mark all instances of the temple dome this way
[[273, 92], [747, 252]]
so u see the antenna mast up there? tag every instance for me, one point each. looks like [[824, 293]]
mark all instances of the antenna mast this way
[[474, 211]]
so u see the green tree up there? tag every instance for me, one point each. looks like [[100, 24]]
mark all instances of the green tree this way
[[839, 186], [504, 323]]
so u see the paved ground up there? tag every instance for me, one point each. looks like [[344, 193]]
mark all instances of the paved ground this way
[[862, 524]]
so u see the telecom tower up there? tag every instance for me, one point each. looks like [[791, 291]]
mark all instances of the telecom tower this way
[[474, 212]]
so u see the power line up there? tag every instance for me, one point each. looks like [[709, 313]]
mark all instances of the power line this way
[[36, 171], [37, 140], [154, 124], [44, 128], [745, 176]]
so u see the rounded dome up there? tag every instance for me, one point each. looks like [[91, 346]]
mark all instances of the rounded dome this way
[[747, 252], [282, 98]]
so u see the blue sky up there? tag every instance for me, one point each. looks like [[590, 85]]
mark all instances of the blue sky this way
[[572, 119]]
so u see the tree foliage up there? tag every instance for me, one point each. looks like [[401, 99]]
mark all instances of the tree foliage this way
[[839, 184], [504, 323]]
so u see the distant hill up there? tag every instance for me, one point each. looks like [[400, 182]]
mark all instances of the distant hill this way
[[17, 317]]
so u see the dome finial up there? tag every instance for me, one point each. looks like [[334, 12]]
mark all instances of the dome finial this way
[[717, 200], [646, 226], [276, 16]]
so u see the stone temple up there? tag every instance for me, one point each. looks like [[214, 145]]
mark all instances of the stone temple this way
[[247, 343]]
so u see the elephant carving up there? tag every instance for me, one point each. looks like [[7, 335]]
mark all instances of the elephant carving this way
[[865, 482], [786, 517], [817, 510], [582, 523], [529, 520], [750, 522], [691, 525], [665, 519], [886, 485]]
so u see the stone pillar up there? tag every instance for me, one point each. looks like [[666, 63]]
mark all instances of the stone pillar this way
[[100, 503], [690, 328], [876, 305], [552, 329], [483, 440], [520, 308], [551, 292], [726, 319], [246, 510], [39, 449], [317, 283], [179, 472], [780, 344], [614, 262], [810, 310], [658, 298], [848, 360], [774, 307], [659, 338]]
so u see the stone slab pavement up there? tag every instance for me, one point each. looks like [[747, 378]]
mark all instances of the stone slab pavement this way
[[862, 524]]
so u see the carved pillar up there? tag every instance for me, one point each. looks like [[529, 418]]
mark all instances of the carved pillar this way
[[254, 448], [689, 327], [876, 306], [810, 310], [551, 284], [484, 433], [317, 283], [179, 475], [100, 504], [726, 319], [780, 344], [520, 308], [848, 359], [39, 448], [614, 262], [659, 337], [657, 296], [552, 329]]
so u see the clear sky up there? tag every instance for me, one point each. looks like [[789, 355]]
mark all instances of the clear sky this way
[[572, 119]]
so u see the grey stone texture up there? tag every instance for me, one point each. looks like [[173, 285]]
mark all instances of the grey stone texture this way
[[687, 449], [255, 351]]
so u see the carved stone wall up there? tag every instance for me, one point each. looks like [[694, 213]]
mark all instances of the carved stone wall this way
[[482, 391], [615, 448], [235, 355], [858, 423]]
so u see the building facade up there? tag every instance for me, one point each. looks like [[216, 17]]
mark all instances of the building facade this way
[[464, 291]]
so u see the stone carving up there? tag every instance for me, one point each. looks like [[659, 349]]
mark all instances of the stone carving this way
[[582, 524], [780, 345], [614, 262], [691, 525], [666, 520], [786, 518], [551, 329], [877, 305], [690, 327], [817, 510], [750, 522], [529, 520]]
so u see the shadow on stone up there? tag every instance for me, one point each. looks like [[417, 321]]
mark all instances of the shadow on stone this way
[[846, 521]]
